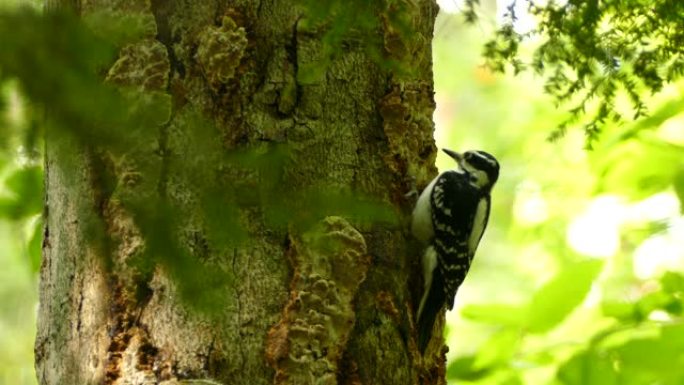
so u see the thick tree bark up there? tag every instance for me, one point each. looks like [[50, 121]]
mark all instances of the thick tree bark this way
[[294, 310]]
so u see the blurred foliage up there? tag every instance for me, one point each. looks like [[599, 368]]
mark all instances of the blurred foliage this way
[[51, 86], [58, 62], [580, 276], [21, 230], [591, 52], [347, 23]]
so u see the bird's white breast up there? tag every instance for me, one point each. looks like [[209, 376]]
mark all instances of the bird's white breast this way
[[421, 224], [479, 223]]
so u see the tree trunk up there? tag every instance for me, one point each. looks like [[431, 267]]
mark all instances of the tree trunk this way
[[328, 301]]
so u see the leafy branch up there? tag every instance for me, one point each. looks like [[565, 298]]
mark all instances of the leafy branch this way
[[592, 50]]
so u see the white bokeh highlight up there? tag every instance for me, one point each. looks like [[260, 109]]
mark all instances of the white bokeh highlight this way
[[596, 231]]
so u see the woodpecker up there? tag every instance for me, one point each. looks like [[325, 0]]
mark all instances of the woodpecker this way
[[450, 217]]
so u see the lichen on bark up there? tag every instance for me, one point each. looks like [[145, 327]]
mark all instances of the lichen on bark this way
[[307, 344], [219, 51]]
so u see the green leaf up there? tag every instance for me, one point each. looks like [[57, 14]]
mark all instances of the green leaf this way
[[638, 310], [202, 284], [25, 198], [120, 28], [499, 349], [636, 168], [587, 368], [678, 183], [498, 314], [673, 284], [463, 369], [620, 310], [222, 220], [651, 302], [303, 208], [35, 244], [25, 181], [663, 355], [556, 299], [149, 109]]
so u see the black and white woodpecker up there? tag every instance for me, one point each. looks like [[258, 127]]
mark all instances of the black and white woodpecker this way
[[449, 218]]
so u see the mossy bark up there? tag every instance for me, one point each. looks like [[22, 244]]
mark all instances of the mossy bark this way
[[329, 304]]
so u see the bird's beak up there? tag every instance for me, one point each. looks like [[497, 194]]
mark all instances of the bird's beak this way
[[454, 155]]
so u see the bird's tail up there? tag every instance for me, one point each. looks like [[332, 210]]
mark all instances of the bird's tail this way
[[430, 306]]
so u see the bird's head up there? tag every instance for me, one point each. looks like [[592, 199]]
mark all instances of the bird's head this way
[[482, 167]]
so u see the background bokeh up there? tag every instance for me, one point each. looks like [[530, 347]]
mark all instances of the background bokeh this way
[[19, 225], [579, 277]]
